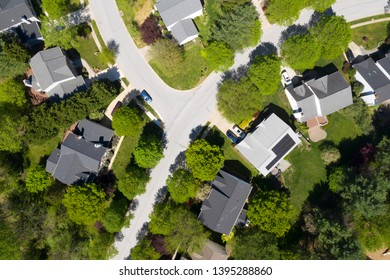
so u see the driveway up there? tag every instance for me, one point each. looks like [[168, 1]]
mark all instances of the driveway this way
[[181, 111]]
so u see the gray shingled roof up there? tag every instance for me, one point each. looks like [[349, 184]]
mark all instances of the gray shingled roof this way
[[385, 63], [371, 73], [305, 100], [66, 88], [94, 132], [183, 30], [77, 159], [173, 11], [222, 208], [383, 93], [29, 33], [12, 11]]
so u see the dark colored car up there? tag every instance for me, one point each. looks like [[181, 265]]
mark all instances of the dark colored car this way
[[145, 96], [230, 134]]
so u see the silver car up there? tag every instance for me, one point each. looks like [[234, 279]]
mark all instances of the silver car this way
[[286, 78], [238, 131]]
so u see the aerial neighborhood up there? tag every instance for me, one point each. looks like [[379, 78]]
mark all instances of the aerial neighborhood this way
[[245, 130]]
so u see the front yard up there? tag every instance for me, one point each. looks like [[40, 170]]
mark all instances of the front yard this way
[[88, 51], [370, 36]]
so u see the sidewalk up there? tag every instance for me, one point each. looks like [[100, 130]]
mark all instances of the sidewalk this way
[[370, 22]]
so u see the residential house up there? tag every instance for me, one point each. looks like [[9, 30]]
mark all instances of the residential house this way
[[375, 76], [18, 16], [54, 75], [210, 251], [319, 97], [82, 153], [178, 17], [268, 144], [221, 211]]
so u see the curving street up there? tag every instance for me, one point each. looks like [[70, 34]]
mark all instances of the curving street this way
[[182, 111]]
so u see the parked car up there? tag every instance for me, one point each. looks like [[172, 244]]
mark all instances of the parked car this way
[[145, 96], [286, 78], [238, 131], [230, 134]]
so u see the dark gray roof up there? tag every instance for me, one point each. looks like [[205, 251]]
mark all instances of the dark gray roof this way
[[183, 30], [173, 11], [222, 208], [67, 88], [29, 33], [383, 93], [300, 92], [12, 11], [94, 132], [51, 66], [371, 73], [385, 63], [305, 100]]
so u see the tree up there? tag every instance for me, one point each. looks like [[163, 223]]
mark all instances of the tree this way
[[182, 230], [37, 179], [360, 113], [357, 87], [218, 56], [85, 204], [144, 251], [127, 121], [182, 185], [321, 5], [10, 133], [107, 56], [150, 31], [284, 12], [301, 51], [337, 178], [265, 73], [168, 55], [238, 28], [13, 48], [239, 100], [254, 244], [133, 182], [13, 99], [329, 152], [114, 218], [13, 57], [271, 211], [204, 160], [331, 44], [149, 151], [57, 8], [59, 33], [374, 233]]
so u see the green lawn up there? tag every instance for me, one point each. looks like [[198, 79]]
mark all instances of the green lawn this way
[[340, 127], [87, 49], [36, 152], [234, 163], [192, 74], [124, 155], [369, 19], [376, 34], [96, 29]]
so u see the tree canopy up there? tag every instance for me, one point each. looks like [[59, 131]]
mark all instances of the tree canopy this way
[[181, 229], [182, 185], [219, 56], [271, 211], [127, 121], [13, 57], [134, 181], [265, 73], [168, 55], [284, 12], [204, 160], [114, 218], [57, 8], [37, 179], [238, 28], [59, 33], [239, 100], [144, 251], [150, 31], [85, 203], [301, 51], [321, 5], [149, 151]]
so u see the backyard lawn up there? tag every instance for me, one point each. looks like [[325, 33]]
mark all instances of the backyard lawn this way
[[193, 72], [340, 127], [36, 152], [376, 34], [124, 155]]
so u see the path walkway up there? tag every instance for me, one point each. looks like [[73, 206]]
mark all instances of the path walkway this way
[[370, 22]]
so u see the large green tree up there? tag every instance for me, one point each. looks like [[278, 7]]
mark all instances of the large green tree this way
[[284, 12], [265, 73], [168, 56], [239, 100], [182, 185], [13, 57], [238, 28], [255, 244], [334, 43], [218, 56], [204, 160], [144, 251], [85, 204], [181, 229], [59, 33], [10, 135], [57, 8], [320, 5], [301, 51], [133, 182], [149, 151], [127, 121], [37, 179], [271, 211], [115, 216]]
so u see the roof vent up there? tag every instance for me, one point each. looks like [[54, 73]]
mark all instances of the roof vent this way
[[97, 145], [79, 137]]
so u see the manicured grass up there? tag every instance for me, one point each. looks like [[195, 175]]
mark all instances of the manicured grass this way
[[123, 158], [96, 29], [368, 19], [376, 33], [37, 152], [87, 49], [193, 72], [340, 127], [234, 163]]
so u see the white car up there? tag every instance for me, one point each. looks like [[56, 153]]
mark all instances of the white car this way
[[238, 131], [286, 78]]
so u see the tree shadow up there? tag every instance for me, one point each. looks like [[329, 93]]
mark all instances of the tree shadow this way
[[214, 137], [268, 183], [114, 46], [235, 74], [142, 231], [317, 16], [180, 162], [295, 29], [195, 132], [349, 147], [265, 48], [161, 195]]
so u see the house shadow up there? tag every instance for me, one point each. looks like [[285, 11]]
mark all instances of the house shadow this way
[[112, 74], [237, 169]]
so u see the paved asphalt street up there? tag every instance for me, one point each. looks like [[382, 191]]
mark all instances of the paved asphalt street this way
[[182, 111]]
